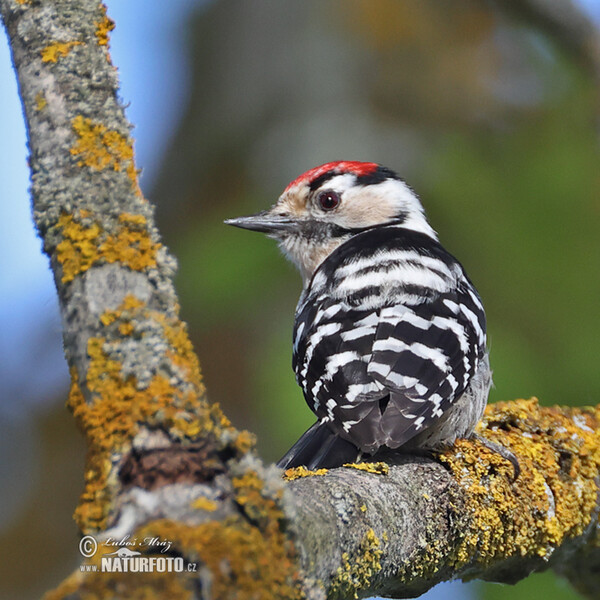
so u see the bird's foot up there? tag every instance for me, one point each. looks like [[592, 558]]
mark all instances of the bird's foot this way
[[504, 452]]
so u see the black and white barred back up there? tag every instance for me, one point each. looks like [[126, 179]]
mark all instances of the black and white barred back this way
[[389, 333]]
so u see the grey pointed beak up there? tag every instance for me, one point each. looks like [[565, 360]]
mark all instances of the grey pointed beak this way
[[265, 222]]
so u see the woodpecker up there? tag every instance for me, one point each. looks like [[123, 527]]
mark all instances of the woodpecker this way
[[390, 333]]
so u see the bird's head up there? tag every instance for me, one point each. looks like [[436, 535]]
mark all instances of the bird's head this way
[[327, 205]]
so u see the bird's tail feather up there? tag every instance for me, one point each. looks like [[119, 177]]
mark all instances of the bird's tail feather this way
[[319, 448]]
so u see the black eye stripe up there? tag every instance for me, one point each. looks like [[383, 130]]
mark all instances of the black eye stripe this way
[[377, 176], [316, 183]]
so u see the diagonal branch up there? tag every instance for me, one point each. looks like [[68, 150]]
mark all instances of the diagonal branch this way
[[166, 470]]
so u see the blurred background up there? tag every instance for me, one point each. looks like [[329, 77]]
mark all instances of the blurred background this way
[[488, 109]]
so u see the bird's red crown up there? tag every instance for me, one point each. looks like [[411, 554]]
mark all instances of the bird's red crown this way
[[339, 166]]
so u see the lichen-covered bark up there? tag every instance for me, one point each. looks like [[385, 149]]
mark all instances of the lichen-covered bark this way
[[164, 463], [407, 527], [132, 366]]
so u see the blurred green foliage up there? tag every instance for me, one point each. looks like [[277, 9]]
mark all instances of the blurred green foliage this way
[[521, 210]]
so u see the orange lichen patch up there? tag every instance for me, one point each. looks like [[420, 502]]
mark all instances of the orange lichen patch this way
[[558, 450], [131, 247], [131, 307], [79, 248], [298, 472], [85, 245], [378, 468], [246, 559], [40, 101], [182, 352], [245, 442], [132, 219], [357, 572], [103, 28], [126, 329], [131, 302], [111, 419], [101, 148], [56, 50], [136, 586], [257, 506], [203, 503], [116, 407]]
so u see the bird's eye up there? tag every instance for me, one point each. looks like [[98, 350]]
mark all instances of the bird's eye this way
[[329, 200]]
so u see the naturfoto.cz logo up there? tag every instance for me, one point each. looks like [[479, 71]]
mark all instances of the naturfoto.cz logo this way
[[126, 560]]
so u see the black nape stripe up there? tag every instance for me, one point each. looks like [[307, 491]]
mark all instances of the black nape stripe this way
[[339, 231], [379, 175], [336, 231]]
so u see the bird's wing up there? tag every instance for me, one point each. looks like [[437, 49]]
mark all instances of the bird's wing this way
[[332, 345], [425, 355]]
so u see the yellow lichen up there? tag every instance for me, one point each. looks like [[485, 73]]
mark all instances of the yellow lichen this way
[[56, 50], [103, 28], [134, 249], [244, 561], [115, 407], [203, 503], [298, 472], [245, 441], [250, 497], [78, 250], [141, 586], [182, 353], [131, 302], [379, 468], [40, 101], [132, 219], [101, 148], [247, 555], [126, 329], [180, 350], [84, 246], [357, 572], [110, 421], [555, 494]]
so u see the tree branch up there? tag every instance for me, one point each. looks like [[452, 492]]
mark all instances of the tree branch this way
[[421, 523], [164, 465], [564, 23]]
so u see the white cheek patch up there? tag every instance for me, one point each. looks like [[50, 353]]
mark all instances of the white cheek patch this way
[[339, 183]]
